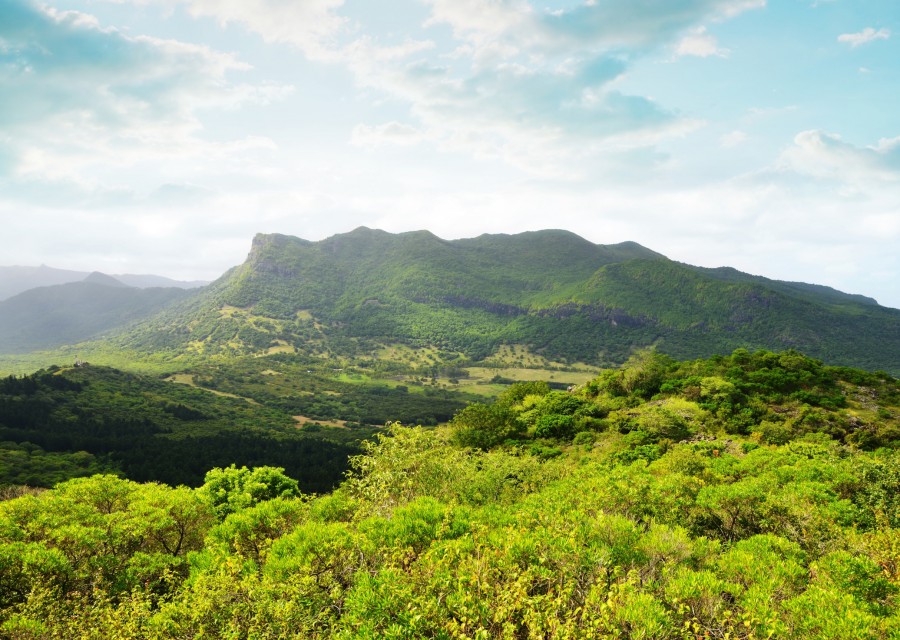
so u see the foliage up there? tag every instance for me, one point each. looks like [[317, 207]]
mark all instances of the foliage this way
[[231, 489], [671, 517], [484, 426], [62, 423], [691, 545]]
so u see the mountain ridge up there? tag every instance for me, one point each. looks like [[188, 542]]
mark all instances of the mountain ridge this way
[[553, 291], [57, 315], [18, 279], [558, 295]]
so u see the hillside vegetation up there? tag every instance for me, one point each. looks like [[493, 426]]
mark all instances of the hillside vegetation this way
[[62, 423], [750, 496], [562, 297]]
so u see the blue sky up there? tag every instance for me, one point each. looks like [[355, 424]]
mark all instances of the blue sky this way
[[160, 135]]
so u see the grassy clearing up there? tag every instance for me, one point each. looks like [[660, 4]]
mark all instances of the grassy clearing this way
[[182, 378], [520, 356], [519, 374], [188, 379], [353, 377], [280, 346], [413, 357], [153, 364], [336, 424]]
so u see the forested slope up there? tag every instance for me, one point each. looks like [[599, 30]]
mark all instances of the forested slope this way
[[749, 496], [61, 423], [558, 294]]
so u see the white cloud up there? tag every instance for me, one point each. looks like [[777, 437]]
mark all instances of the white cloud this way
[[479, 20], [825, 155], [867, 35], [536, 88], [309, 25], [388, 133], [519, 82], [607, 24], [731, 9], [733, 139], [88, 104], [700, 44], [539, 119], [63, 65]]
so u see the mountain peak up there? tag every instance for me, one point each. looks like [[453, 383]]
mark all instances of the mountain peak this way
[[101, 278]]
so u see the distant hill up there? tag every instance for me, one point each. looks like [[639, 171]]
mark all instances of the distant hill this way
[[559, 294], [147, 281], [16, 279], [101, 278], [47, 317]]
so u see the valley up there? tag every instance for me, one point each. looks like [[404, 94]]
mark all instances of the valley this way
[[383, 435], [330, 341], [736, 495], [449, 320]]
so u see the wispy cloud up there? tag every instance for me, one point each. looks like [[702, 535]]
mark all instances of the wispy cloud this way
[[611, 24], [532, 86], [867, 35], [826, 155], [537, 88], [701, 44], [310, 25], [86, 95], [733, 139], [388, 133]]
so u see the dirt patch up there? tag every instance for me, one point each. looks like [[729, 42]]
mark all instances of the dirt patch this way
[[302, 420]]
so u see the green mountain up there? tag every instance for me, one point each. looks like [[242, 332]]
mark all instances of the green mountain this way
[[563, 297], [47, 317]]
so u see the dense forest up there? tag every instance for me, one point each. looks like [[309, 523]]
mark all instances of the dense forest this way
[[755, 495], [62, 423]]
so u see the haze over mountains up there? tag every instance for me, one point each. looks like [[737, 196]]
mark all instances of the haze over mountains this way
[[16, 279], [563, 297], [52, 316]]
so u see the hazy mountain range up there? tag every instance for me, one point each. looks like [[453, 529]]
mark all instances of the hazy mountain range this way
[[16, 279], [56, 315]]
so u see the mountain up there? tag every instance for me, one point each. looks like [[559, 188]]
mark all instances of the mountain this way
[[47, 317], [147, 281], [560, 295], [101, 278], [15, 280]]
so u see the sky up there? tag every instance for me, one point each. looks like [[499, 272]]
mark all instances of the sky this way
[[158, 136]]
